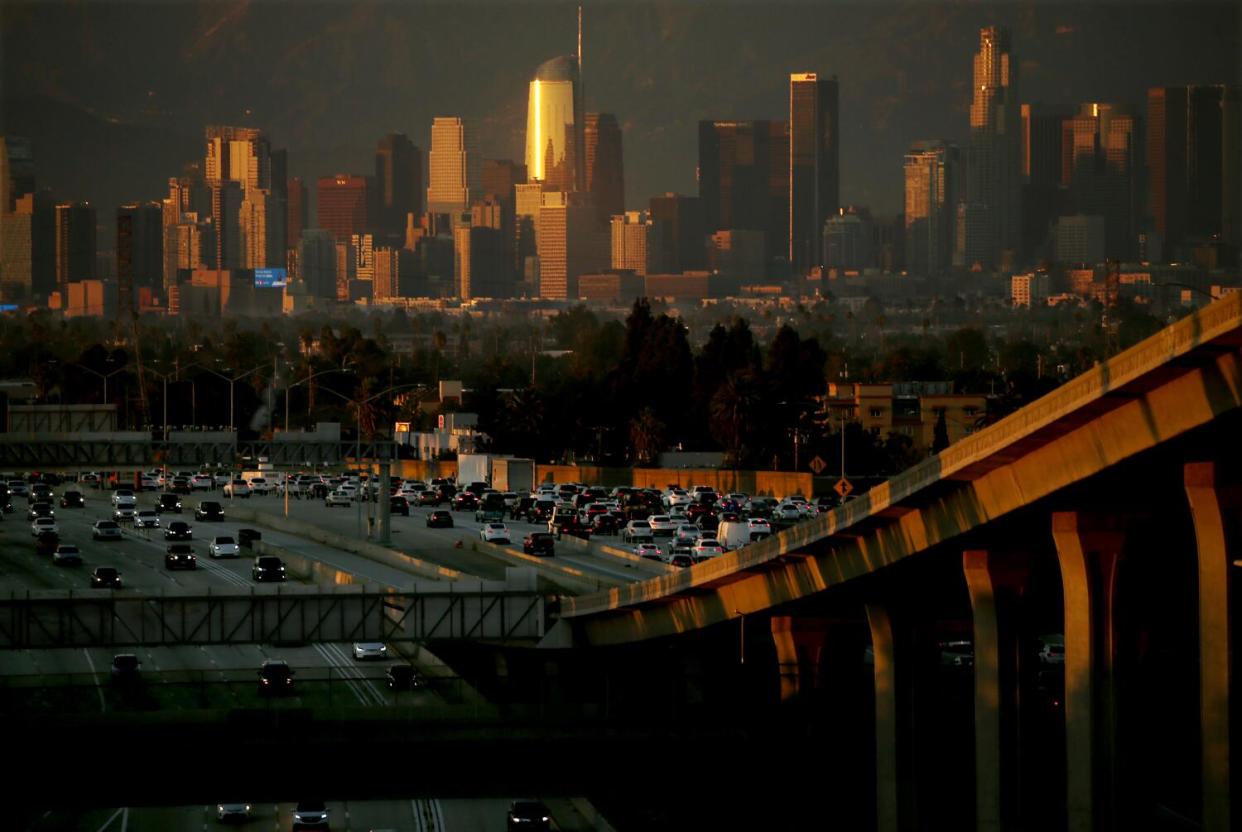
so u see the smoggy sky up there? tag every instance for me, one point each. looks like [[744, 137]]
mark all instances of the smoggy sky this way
[[327, 79]]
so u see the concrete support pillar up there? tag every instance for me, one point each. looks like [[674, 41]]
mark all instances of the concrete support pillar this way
[[385, 505], [995, 583], [1089, 550], [799, 650], [1214, 504], [894, 719]]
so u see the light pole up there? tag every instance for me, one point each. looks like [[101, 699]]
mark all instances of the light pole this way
[[104, 376], [231, 382]]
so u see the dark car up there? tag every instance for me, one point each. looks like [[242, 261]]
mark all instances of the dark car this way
[[247, 537], [125, 668], [40, 492], [539, 543], [430, 497], [542, 511], [178, 530], [46, 542], [465, 501], [38, 510], [439, 519], [275, 678], [522, 509], [268, 568], [403, 677], [209, 510], [72, 499], [605, 524], [105, 577], [399, 505], [169, 502], [528, 815], [180, 556]]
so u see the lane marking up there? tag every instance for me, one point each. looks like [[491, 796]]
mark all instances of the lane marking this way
[[108, 822], [125, 819], [103, 706], [439, 814]]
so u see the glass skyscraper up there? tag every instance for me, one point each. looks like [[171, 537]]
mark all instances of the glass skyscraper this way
[[554, 126]]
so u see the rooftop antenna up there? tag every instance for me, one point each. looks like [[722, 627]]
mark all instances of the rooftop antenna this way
[[579, 40]]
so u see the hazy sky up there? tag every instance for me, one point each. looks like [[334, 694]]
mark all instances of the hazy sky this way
[[327, 79]]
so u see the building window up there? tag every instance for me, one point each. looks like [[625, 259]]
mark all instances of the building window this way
[[877, 412]]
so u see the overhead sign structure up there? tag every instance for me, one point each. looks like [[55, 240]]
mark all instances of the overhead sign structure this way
[[843, 487], [271, 278], [818, 465]]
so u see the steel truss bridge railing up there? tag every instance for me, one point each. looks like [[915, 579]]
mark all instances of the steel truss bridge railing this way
[[45, 452]]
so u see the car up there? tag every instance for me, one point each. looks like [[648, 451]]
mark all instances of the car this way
[[221, 478], [237, 488], [681, 560], [125, 668], [440, 519], [180, 556], [706, 549], [310, 815], [38, 510], [148, 483], [636, 531], [228, 812], [124, 497], [370, 650], [495, 533], [179, 530], [958, 653], [67, 555], [688, 534], [759, 525], [275, 678], [46, 543], [222, 546], [403, 677], [430, 497], [465, 501], [105, 530], [124, 514], [1052, 649], [43, 524], [105, 577], [147, 519], [18, 488], [787, 513], [260, 486], [662, 525], [201, 482], [399, 505], [539, 543], [247, 537], [209, 510], [338, 497], [181, 485], [650, 551], [676, 497], [168, 502], [40, 493], [268, 568], [72, 499], [528, 815]]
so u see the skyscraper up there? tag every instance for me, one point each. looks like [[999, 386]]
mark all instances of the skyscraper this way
[[454, 168], [342, 206], [931, 171], [744, 179], [75, 244], [17, 218], [139, 247], [571, 243], [317, 262], [678, 239], [226, 200], [501, 176], [243, 157], [263, 244], [398, 183], [814, 176], [605, 179], [1041, 177], [1099, 167], [555, 142], [17, 171], [993, 168], [629, 241]]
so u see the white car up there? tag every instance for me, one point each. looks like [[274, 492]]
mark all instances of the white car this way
[[649, 550], [67, 554], [338, 498], [635, 531], [125, 514], [706, 549], [105, 530], [260, 485], [370, 650], [787, 512], [43, 524], [232, 811], [495, 533], [149, 484], [688, 534], [662, 525], [222, 478], [124, 497], [237, 488], [222, 546], [146, 519], [201, 482], [677, 497], [758, 524]]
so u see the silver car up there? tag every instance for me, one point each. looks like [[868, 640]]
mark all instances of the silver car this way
[[146, 519], [370, 650]]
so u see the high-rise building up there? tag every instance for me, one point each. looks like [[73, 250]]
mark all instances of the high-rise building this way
[[814, 172], [555, 142], [501, 176], [1099, 167], [1041, 177], [993, 162], [75, 243], [398, 183], [238, 154], [16, 247], [678, 238], [744, 179], [139, 252], [454, 167], [343, 205], [605, 178], [362, 247], [847, 239], [17, 171], [263, 245], [1194, 143], [236, 161], [298, 212], [392, 266], [479, 262], [187, 246], [528, 199], [629, 241], [739, 253], [226, 200], [317, 262], [932, 172], [571, 243]]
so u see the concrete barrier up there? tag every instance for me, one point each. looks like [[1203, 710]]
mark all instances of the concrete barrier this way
[[623, 557], [569, 578], [308, 569]]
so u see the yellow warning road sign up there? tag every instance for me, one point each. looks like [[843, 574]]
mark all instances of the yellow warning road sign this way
[[818, 465], [843, 487]]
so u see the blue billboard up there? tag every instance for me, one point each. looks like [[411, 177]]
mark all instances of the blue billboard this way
[[270, 278], [8, 307]]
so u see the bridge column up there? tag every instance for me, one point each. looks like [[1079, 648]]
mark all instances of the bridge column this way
[[1214, 504], [995, 583], [799, 649], [1089, 550], [893, 650], [384, 505]]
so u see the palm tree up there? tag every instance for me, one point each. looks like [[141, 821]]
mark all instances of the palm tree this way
[[647, 435]]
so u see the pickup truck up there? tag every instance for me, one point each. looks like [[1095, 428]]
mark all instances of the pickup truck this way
[[491, 509]]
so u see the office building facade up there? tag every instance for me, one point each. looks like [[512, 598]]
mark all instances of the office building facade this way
[[555, 121], [814, 165], [454, 166], [931, 178], [744, 179], [398, 184], [342, 208], [605, 175], [993, 162]]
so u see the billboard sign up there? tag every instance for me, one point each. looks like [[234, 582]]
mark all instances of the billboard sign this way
[[270, 278]]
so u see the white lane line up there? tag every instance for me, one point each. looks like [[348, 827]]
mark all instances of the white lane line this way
[[439, 815], [332, 661], [218, 571], [350, 666], [103, 706], [418, 816], [108, 822], [125, 819]]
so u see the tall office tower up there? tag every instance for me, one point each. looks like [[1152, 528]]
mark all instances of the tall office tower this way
[[629, 240], [42, 243], [605, 176], [398, 183], [226, 200], [678, 239], [263, 239], [186, 246], [1099, 167], [554, 126], [317, 262], [744, 179], [17, 171], [527, 200], [501, 176], [346, 269], [1193, 151], [454, 167], [16, 247], [298, 212], [1041, 178], [847, 239], [479, 262], [75, 244], [238, 154], [814, 165], [993, 162], [140, 252], [932, 170], [343, 205], [571, 243], [362, 247]]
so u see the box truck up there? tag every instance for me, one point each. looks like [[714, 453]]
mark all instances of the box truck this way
[[473, 468], [510, 474]]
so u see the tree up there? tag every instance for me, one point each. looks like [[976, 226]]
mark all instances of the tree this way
[[732, 411], [646, 435]]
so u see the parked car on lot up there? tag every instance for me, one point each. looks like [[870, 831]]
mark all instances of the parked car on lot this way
[[105, 530], [268, 568], [105, 577], [180, 556]]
